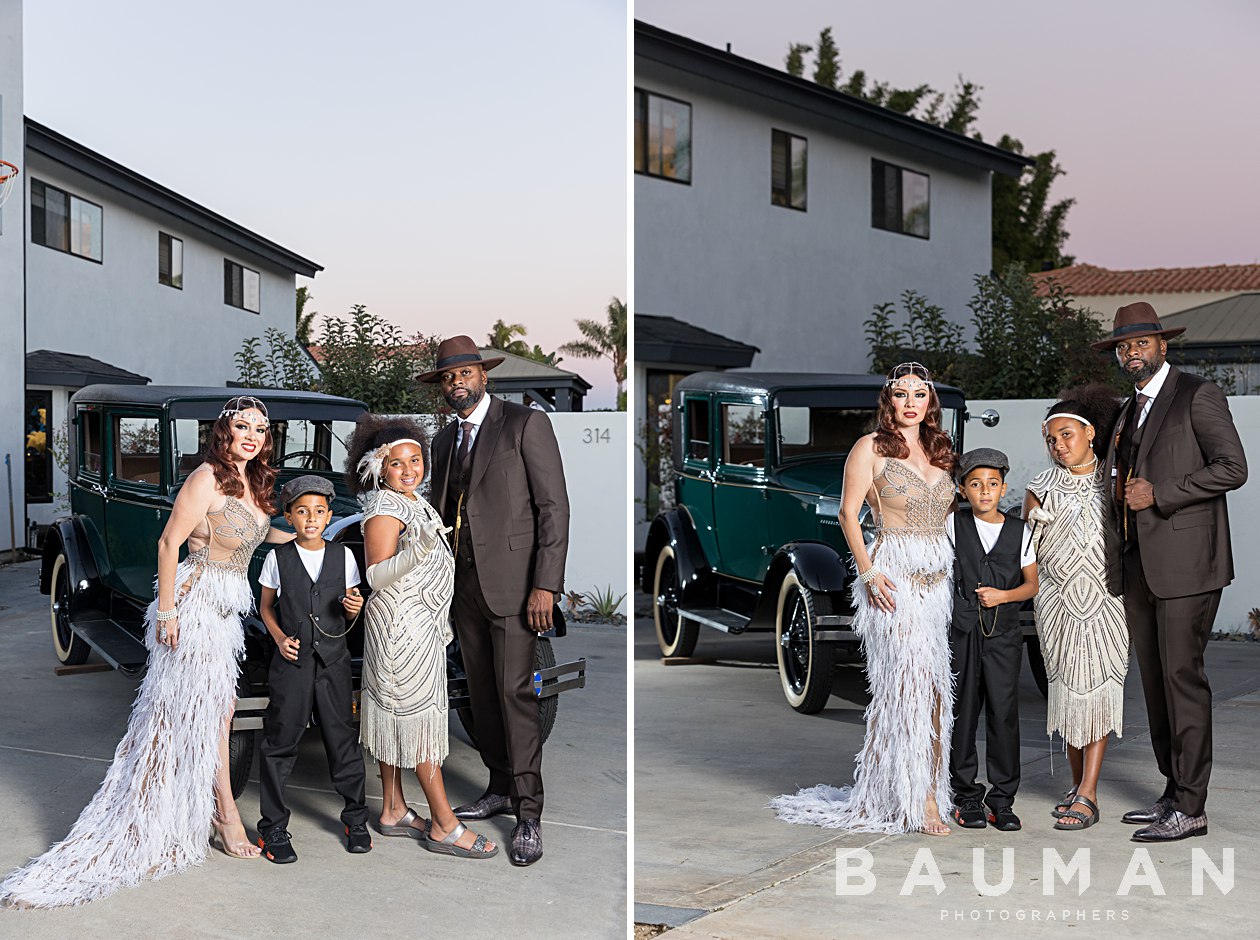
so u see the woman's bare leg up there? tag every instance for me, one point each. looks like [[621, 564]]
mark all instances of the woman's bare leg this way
[[430, 776], [933, 825], [393, 803], [227, 818], [1091, 767]]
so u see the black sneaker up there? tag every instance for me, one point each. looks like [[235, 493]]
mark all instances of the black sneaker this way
[[277, 846], [970, 814], [358, 840], [1004, 818]]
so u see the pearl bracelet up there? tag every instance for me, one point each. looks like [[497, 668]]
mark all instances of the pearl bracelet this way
[[164, 615], [869, 575]]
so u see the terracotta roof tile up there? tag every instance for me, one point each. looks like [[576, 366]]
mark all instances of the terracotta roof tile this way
[[1089, 280]]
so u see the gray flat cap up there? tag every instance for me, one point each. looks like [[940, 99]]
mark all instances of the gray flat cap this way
[[300, 486], [982, 457]]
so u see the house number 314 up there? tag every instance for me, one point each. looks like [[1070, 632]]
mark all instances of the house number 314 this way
[[596, 436]]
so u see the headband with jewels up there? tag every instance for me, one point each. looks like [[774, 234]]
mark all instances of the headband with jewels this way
[[235, 406], [372, 464], [909, 376]]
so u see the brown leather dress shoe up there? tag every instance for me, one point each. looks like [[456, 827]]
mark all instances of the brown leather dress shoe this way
[[526, 842], [1176, 825], [1163, 806], [485, 806]]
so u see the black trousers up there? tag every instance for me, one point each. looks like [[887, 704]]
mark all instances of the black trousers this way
[[296, 690], [1168, 637], [987, 670], [498, 657]]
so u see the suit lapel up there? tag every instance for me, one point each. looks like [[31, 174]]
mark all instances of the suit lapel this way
[[1163, 402], [443, 447], [487, 438]]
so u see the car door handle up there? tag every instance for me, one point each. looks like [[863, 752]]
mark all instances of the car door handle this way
[[708, 476]]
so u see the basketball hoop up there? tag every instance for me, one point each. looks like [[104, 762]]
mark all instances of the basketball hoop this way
[[8, 173]]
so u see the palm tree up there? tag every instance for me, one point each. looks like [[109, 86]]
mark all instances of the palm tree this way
[[500, 337], [604, 339], [304, 320]]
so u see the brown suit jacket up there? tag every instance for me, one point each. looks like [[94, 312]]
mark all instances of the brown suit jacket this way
[[1191, 454], [517, 505]]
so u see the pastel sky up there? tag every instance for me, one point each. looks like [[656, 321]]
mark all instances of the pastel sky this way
[[449, 164], [1151, 106]]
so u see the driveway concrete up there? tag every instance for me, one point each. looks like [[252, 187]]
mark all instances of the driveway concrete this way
[[715, 741], [59, 733]]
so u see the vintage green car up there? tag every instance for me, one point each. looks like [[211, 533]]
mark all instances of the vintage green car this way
[[753, 542], [131, 448]]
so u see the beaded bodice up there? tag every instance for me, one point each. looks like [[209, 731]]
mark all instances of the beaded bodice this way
[[234, 534], [906, 501]]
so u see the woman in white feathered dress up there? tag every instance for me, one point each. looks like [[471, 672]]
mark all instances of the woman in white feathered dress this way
[[903, 606], [168, 783]]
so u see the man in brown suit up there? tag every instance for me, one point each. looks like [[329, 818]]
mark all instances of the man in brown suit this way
[[498, 480], [1175, 455]]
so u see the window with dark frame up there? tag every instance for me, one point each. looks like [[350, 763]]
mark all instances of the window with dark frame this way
[[89, 441], [170, 261], [787, 170], [662, 136], [137, 450], [697, 428], [65, 222], [743, 435], [39, 463], [240, 286], [900, 200]]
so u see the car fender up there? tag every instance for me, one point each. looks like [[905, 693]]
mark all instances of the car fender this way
[[339, 525], [69, 536], [819, 567], [674, 528]]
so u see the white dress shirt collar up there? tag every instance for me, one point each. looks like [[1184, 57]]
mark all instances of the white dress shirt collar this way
[[479, 413], [1156, 382]]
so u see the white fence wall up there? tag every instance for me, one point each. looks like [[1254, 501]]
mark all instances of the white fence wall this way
[[1018, 435], [593, 447]]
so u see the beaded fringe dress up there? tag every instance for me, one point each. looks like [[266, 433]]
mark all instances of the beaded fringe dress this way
[[407, 627], [909, 719], [1081, 625], [151, 816]]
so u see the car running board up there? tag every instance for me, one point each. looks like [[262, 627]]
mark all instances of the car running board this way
[[114, 644], [719, 618]]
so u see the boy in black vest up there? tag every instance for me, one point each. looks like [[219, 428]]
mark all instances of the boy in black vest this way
[[995, 570], [314, 584]]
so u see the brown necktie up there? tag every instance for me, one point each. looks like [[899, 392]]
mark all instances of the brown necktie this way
[[1141, 407], [465, 444]]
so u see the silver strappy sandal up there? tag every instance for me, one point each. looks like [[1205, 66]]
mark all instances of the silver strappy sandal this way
[[448, 847], [404, 826]]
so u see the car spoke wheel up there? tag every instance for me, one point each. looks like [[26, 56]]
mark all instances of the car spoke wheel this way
[[805, 664], [675, 634], [71, 649]]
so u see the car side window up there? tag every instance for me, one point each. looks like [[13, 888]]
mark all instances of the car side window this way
[[696, 428], [137, 450], [90, 441], [743, 435]]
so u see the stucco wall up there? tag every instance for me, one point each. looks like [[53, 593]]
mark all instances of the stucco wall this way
[[12, 392], [117, 311], [1018, 435], [796, 284]]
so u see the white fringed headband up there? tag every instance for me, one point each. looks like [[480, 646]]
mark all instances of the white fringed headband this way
[[372, 464]]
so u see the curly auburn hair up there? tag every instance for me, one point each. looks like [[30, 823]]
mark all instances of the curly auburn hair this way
[[258, 470], [1099, 405], [370, 432], [890, 442]]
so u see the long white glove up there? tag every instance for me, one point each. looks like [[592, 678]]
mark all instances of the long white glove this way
[[384, 573]]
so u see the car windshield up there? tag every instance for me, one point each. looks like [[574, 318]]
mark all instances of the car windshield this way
[[299, 444], [811, 431]]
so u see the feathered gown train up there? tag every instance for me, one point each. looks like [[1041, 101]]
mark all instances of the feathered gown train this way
[[151, 816]]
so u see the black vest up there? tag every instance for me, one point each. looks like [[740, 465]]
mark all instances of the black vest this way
[[300, 599], [1126, 459], [457, 485], [999, 568]]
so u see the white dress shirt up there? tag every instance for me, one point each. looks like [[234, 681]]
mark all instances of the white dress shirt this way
[[1151, 390], [478, 415]]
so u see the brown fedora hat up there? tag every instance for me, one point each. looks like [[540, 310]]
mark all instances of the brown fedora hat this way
[[1139, 319], [457, 351]]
